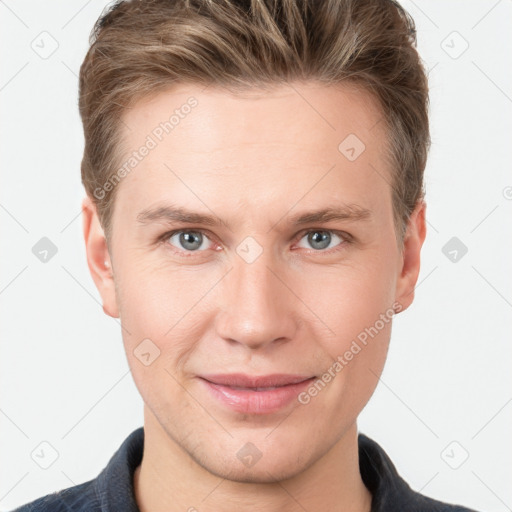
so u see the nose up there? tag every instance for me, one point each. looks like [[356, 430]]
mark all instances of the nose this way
[[257, 308]]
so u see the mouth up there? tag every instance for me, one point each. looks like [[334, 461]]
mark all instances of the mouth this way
[[251, 394]]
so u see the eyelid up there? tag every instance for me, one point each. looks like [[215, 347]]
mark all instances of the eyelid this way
[[164, 239], [341, 234], [347, 238]]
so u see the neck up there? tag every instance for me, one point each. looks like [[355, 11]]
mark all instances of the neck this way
[[169, 479]]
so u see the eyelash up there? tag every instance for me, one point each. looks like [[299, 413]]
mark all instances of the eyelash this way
[[346, 239]]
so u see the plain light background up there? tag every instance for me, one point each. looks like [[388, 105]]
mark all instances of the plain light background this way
[[443, 408]]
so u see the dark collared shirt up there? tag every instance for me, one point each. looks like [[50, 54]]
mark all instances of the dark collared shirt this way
[[112, 490]]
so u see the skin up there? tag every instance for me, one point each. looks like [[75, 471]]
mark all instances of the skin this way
[[254, 161]]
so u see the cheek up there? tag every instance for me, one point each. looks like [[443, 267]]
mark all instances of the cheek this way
[[354, 355], [162, 313], [350, 299], [154, 298], [356, 304]]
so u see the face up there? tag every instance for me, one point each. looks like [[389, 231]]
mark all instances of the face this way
[[255, 238]]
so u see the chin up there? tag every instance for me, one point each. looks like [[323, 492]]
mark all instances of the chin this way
[[272, 464], [261, 473]]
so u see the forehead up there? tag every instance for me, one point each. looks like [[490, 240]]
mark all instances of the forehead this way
[[306, 112], [205, 143]]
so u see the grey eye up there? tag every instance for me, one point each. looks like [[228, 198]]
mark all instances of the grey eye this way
[[319, 239], [188, 240]]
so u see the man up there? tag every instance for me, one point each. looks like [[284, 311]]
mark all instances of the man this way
[[254, 216]]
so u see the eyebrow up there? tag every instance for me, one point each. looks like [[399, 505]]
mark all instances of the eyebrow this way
[[345, 212], [180, 214]]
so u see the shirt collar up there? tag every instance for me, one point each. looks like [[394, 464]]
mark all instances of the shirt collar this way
[[114, 485]]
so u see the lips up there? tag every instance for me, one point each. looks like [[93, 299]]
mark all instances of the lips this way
[[255, 383], [251, 394]]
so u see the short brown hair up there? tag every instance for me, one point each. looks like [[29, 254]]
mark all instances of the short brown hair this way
[[139, 48]]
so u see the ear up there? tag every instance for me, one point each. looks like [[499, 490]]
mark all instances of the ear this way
[[410, 265], [98, 257]]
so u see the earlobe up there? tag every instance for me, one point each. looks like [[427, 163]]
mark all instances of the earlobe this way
[[410, 263], [98, 257]]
